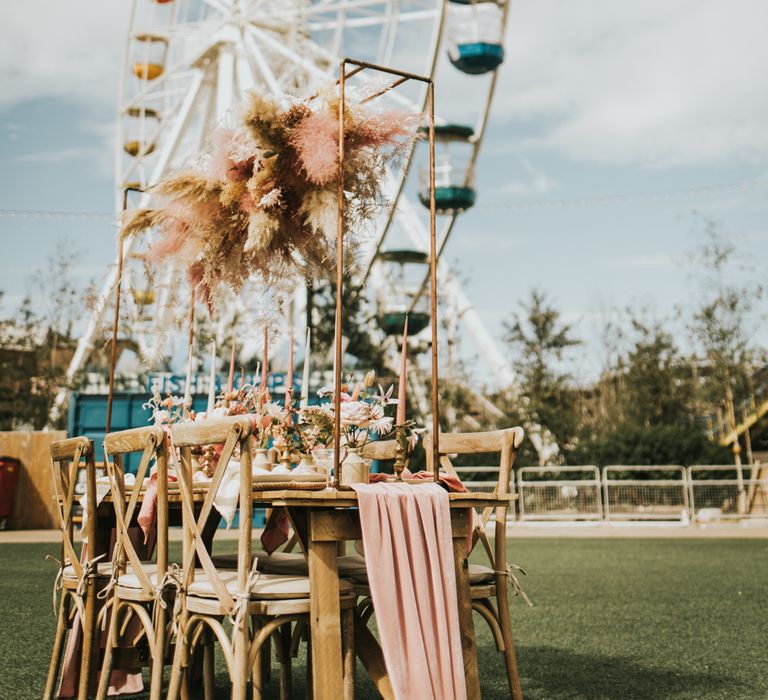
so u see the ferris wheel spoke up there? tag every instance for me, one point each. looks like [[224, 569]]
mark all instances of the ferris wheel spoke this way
[[322, 8], [374, 20], [286, 52], [222, 6], [334, 61], [263, 66]]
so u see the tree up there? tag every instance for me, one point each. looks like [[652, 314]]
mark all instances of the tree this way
[[541, 341], [721, 325], [656, 385], [36, 344], [354, 324]]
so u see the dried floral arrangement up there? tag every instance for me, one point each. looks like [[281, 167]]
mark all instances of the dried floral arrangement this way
[[362, 411], [262, 199]]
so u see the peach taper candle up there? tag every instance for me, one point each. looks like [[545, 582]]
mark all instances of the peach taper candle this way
[[400, 418]]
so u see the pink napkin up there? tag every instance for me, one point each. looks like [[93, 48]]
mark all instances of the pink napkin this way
[[409, 558], [276, 529], [147, 516]]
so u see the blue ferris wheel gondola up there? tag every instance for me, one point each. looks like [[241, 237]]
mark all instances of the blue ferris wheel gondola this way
[[477, 57]]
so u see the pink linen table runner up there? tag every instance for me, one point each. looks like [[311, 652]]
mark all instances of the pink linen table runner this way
[[410, 562]]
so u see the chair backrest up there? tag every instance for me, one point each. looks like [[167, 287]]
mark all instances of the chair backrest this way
[[67, 457], [233, 432], [507, 443], [149, 442]]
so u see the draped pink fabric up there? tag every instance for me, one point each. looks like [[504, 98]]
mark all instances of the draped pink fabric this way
[[409, 557]]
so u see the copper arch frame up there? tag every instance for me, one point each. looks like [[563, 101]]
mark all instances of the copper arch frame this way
[[401, 77]]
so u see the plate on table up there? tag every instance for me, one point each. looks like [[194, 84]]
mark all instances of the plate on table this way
[[290, 476]]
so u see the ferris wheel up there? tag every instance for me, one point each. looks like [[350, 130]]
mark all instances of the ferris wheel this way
[[189, 63]]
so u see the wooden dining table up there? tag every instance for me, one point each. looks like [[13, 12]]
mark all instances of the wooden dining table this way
[[323, 519]]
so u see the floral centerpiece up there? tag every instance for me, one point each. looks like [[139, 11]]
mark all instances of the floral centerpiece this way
[[164, 411], [362, 411]]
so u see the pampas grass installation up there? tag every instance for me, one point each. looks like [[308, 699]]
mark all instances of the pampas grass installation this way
[[261, 200]]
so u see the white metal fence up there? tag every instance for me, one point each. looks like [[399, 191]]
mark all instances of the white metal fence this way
[[721, 492], [701, 493], [559, 493], [658, 492], [486, 479]]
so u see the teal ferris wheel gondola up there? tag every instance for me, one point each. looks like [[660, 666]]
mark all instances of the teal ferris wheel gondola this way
[[392, 322], [477, 57], [453, 198]]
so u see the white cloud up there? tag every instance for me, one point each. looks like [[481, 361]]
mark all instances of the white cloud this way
[[536, 183], [72, 49], [650, 82]]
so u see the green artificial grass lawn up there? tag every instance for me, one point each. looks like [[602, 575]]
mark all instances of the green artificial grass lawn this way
[[639, 618]]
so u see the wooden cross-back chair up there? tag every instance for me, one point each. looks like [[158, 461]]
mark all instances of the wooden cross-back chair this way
[[77, 573], [491, 582], [140, 590], [210, 594]]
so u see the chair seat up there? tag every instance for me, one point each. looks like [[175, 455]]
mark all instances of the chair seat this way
[[130, 580], [479, 575], [103, 569], [293, 563], [353, 566], [265, 587]]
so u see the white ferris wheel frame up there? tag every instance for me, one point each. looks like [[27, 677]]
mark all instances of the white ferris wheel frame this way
[[225, 68]]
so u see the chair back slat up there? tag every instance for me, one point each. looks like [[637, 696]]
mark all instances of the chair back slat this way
[[233, 432], [66, 459], [151, 443], [506, 442]]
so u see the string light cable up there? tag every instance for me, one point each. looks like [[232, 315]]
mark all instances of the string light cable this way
[[660, 195]]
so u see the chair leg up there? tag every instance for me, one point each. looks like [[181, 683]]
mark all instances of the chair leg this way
[[177, 668], [285, 662], [106, 665], [58, 648], [266, 660], [257, 677], [242, 670], [158, 653], [348, 645], [86, 651], [510, 658], [209, 676], [308, 693]]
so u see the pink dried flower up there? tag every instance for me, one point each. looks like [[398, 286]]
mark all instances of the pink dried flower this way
[[315, 139]]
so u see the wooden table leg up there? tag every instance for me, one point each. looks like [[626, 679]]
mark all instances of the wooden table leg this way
[[466, 624], [325, 619], [369, 652]]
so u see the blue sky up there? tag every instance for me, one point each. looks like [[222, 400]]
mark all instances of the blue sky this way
[[596, 99]]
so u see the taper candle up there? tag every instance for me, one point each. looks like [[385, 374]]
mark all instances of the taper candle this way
[[212, 381], [188, 382], [231, 383], [264, 362], [400, 418], [305, 373], [289, 375]]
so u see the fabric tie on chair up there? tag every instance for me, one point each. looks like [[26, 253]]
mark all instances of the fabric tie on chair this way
[[239, 613], [410, 562]]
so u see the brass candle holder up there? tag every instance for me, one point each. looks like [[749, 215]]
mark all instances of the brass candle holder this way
[[401, 437]]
